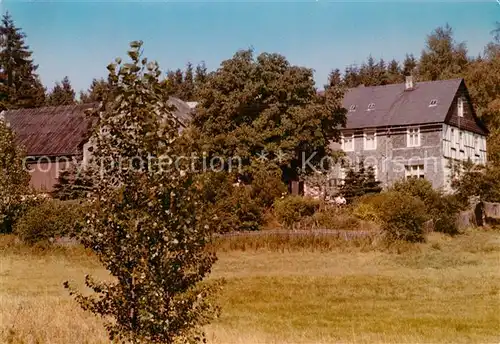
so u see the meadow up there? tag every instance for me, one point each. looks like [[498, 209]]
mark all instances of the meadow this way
[[444, 290]]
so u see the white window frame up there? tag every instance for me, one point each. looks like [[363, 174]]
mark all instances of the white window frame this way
[[370, 132], [409, 133], [343, 139], [460, 107], [371, 107], [415, 171], [352, 108]]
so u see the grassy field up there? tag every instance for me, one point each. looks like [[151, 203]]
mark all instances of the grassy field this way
[[447, 290]]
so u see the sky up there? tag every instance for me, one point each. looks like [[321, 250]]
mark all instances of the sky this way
[[79, 39]]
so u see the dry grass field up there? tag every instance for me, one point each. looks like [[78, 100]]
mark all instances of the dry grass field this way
[[446, 290]]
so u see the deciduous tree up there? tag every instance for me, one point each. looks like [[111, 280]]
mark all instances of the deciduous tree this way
[[14, 178], [146, 225], [443, 58], [265, 108]]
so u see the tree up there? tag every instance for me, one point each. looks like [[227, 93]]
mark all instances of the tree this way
[[359, 182], [468, 179], [145, 224], [96, 92], [72, 183], [334, 79], [266, 108], [409, 65], [394, 73], [62, 94], [22, 87], [442, 58], [14, 178], [200, 77], [352, 77], [187, 86]]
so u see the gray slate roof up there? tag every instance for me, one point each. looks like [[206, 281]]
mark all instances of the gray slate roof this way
[[394, 106]]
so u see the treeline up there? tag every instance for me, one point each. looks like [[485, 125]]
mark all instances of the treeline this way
[[442, 58]]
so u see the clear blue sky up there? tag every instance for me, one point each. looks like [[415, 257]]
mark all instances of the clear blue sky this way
[[79, 38]]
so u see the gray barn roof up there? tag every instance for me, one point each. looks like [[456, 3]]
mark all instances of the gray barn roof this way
[[60, 130], [394, 106]]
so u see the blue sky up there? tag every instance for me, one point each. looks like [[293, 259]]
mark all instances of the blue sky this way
[[79, 38]]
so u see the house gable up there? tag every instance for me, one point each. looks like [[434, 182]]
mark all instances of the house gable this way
[[469, 121]]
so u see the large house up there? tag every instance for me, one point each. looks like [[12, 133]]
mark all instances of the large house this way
[[55, 136], [412, 130]]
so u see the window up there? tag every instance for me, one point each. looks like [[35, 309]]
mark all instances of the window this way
[[414, 171], [370, 139], [371, 106], [433, 103], [352, 108], [348, 143], [460, 107], [413, 137]]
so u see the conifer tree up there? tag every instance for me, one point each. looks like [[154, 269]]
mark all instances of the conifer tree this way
[[22, 87], [96, 92], [409, 65], [359, 182], [62, 94], [187, 87]]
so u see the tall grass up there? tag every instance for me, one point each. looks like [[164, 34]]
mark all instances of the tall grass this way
[[444, 290]]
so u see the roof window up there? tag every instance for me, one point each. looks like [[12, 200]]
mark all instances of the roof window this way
[[433, 103], [371, 106], [352, 108]]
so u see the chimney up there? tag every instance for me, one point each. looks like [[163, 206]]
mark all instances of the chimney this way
[[409, 83]]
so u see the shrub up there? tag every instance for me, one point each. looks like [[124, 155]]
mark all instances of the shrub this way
[[335, 218], [290, 210], [239, 211], [232, 207], [365, 207], [402, 216], [50, 219], [444, 214], [267, 186], [441, 209]]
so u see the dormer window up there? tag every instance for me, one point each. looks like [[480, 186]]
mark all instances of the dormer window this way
[[460, 107], [433, 103], [352, 108], [371, 106]]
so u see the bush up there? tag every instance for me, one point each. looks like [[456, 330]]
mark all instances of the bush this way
[[50, 219], [444, 214], [336, 219], [267, 186], [402, 216], [441, 209], [292, 209], [365, 208], [232, 207]]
